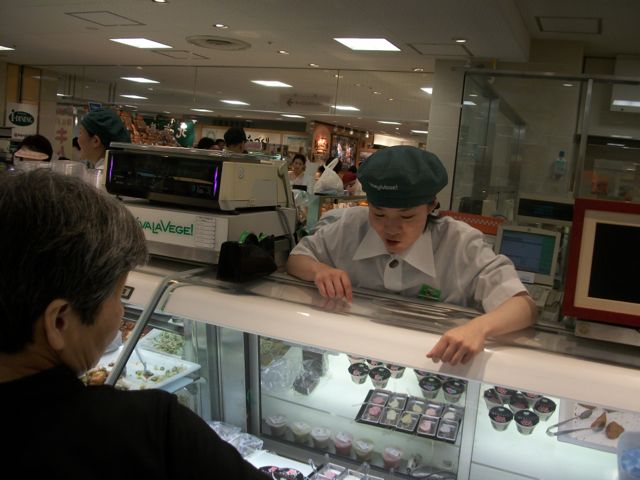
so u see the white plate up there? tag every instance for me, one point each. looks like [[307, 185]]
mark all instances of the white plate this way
[[588, 438], [148, 343]]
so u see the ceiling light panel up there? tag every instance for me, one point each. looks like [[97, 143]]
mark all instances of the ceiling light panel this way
[[140, 43], [291, 115], [202, 110], [136, 97], [234, 102], [368, 44], [139, 79], [271, 83], [347, 108], [385, 122], [428, 90], [6, 48]]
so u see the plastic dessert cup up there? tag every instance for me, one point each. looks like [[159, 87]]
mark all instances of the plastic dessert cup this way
[[430, 387], [277, 424], [358, 372], [544, 408], [363, 448], [505, 394], [453, 390], [375, 363], [301, 431], [380, 376], [396, 370], [532, 398], [500, 418], [354, 359], [420, 374], [518, 402], [526, 421], [321, 436], [343, 442], [391, 457], [491, 398]]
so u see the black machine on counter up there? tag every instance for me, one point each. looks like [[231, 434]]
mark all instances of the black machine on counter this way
[[190, 201]]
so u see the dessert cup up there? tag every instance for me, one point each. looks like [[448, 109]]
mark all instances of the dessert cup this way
[[544, 408], [518, 402], [301, 431], [453, 390], [358, 372], [380, 376], [526, 421], [277, 424], [491, 398], [396, 370], [391, 457], [500, 418], [430, 386], [505, 393], [363, 448], [343, 442], [321, 436]]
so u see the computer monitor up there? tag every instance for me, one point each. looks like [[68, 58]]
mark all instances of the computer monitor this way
[[549, 209], [533, 251], [604, 262]]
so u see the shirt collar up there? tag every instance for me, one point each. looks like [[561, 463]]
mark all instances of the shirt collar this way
[[419, 255]]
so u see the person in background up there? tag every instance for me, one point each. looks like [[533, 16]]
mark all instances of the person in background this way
[[34, 151], [206, 143], [296, 175], [351, 184], [397, 244], [72, 247], [97, 130], [235, 138], [219, 144], [75, 150]]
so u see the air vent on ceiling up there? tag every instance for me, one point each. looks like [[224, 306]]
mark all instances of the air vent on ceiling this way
[[586, 25], [104, 18], [218, 43], [180, 54], [442, 49]]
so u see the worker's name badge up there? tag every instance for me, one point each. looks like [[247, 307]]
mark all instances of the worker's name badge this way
[[427, 292]]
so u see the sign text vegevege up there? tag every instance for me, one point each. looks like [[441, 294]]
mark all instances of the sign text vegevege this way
[[168, 227]]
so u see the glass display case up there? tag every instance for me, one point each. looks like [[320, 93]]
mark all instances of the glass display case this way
[[343, 391]]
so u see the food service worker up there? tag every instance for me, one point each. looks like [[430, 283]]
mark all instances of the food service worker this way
[[97, 130], [396, 244], [72, 247]]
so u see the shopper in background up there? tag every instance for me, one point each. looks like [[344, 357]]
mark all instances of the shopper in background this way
[[76, 154], [235, 138], [71, 250], [206, 143], [396, 244], [219, 144], [351, 183], [298, 164], [97, 130], [34, 151]]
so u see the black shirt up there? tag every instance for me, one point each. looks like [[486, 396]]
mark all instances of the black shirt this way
[[53, 426]]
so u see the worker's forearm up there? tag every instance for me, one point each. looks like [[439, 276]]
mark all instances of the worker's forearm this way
[[514, 314], [303, 267]]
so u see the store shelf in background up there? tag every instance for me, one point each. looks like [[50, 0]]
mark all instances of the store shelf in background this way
[[486, 224]]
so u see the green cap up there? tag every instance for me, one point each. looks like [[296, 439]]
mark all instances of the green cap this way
[[107, 125], [402, 177]]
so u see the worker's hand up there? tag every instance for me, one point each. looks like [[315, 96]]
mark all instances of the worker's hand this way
[[459, 344], [333, 283]]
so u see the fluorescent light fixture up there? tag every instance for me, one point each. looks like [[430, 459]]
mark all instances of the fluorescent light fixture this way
[[234, 102], [347, 107], [62, 95], [139, 79], [159, 1], [271, 83], [418, 69], [368, 44], [291, 115], [469, 103], [473, 94], [420, 131], [567, 84], [389, 123], [616, 144], [620, 136], [626, 103], [6, 48], [135, 97], [428, 90], [130, 106], [140, 43], [460, 40], [203, 110], [221, 25], [283, 52], [314, 65]]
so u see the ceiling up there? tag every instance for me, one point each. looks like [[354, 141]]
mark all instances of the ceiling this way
[[71, 39]]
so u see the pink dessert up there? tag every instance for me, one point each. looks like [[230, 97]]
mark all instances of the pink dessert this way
[[378, 399], [392, 457], [374, 411], [343, 441]]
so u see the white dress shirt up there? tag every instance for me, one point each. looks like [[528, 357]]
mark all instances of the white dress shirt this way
[[449, 256]]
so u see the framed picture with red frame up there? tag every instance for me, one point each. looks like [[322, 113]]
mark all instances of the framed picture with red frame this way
[[604, 262]]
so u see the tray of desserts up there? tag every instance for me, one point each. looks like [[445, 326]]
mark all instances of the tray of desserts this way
[[412, 415], [596, 427]]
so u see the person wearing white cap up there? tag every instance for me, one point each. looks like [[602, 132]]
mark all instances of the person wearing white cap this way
[[397, 244]]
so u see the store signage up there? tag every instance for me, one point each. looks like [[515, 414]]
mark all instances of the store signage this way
[[165, 226], [23, 117], [93, 106]]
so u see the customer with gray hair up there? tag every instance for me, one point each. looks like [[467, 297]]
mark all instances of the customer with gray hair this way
[[67, 251]]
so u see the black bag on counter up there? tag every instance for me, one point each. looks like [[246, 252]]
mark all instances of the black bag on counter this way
[[249, 260]]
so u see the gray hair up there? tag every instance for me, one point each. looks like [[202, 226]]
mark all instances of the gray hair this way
[[59, 238]]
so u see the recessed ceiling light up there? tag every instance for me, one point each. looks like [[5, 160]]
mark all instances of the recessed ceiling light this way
[[291, 115], [234, 102], [428, 90], [469, 103], [314, 65], [376, 93], [368, 44], [130, 106], [390, 99], [567, 84], [159, 1], [397, 128], [389, 123], [203, 110], [420, 131], [135, 97], [418, 69], [139, 79], [221, 25], [271, 83], [140, 43], [347, 107], [166, 111], [6, 48], [283, 52], [337, 76], [473, 94], [460, 40]]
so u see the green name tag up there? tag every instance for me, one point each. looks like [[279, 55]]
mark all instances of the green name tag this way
[[429, 292]]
